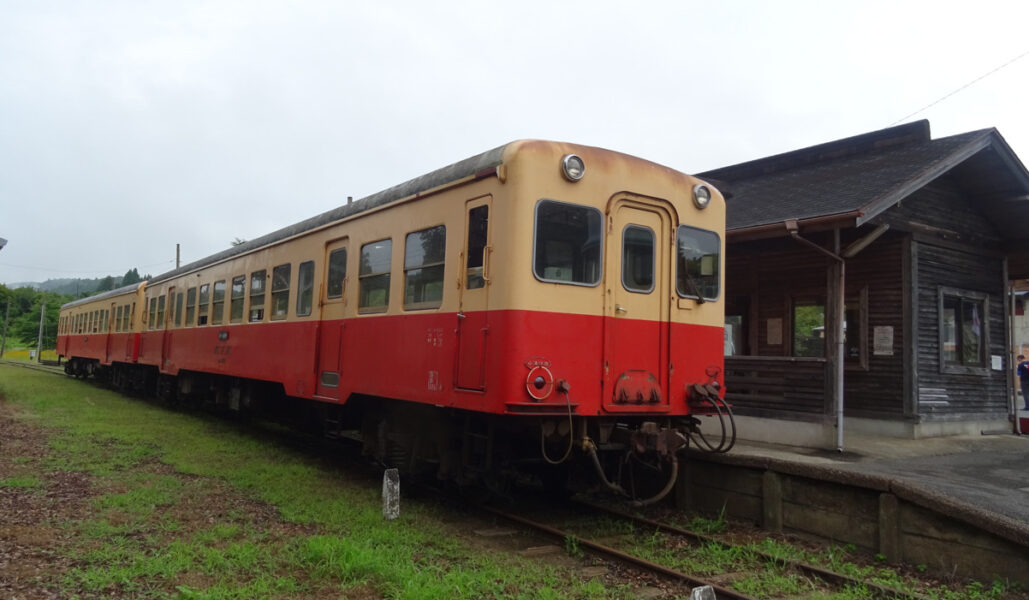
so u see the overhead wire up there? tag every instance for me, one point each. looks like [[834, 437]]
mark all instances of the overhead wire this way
[[962, 88]]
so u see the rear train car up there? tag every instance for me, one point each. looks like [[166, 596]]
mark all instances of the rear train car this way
[[97, 332], [541, 303]]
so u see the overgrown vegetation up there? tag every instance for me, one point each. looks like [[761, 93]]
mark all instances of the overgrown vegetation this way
[[174, 505]]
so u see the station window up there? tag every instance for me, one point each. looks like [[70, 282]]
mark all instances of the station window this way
[[257, 296], [160, 312], [280, 291], [239, 285], [218, 302], [423, 268], [964, 331], [698, 254], [178, 309], [638, 259], [153, 313], [337, 272], [567, 243], [202, 308], [373, 276], [478, 227], [809, 327], [191, 306], [305, 288]]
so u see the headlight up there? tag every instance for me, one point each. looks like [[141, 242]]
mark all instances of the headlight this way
[[573, 167], [701, 196]]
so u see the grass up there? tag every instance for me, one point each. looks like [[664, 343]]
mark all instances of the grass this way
[[22, 354], [184, 506]]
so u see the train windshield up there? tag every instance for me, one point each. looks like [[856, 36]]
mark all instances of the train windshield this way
[[697, 262], [567, 243]]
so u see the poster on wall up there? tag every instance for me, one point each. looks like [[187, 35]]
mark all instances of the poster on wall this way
[[774, 332], [882, 340]]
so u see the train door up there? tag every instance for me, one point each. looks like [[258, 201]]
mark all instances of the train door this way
[[637, 305], [109, 339], [166, 312], [473, 312], [331, 323]]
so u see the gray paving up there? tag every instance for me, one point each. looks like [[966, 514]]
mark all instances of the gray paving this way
[[989, 473]]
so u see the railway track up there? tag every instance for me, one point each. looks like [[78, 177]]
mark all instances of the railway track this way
[[830, 579], [34, 366]]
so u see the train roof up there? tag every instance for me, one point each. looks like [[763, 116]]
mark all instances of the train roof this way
[[126, 289], [485, 162]]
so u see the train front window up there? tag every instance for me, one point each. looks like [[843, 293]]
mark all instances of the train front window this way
[[698, 254], [638, 259], [567, 247], [423, 268], [373, 277]]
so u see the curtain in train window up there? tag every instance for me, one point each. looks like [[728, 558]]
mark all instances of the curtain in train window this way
[[218, 302], [239, 284], [205, 297], [191, 301]]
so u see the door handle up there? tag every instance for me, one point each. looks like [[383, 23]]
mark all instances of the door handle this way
[[620, 309]]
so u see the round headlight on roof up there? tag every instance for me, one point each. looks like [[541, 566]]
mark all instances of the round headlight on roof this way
[[573, 167], [701, 196]]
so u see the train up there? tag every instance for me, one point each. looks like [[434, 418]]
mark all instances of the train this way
[[542, 307]]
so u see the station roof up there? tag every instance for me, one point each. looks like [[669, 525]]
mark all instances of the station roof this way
[[848, 182]]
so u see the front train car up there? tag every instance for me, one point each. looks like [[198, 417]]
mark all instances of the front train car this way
[[601, 330]]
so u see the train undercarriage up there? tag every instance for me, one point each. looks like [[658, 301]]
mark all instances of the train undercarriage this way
[[633, 457]]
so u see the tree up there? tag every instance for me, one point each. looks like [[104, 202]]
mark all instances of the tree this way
[[131, 276], [106, 284]]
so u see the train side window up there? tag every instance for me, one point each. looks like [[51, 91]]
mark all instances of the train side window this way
[[107, 320], [638, 259], [305, 288], [191, 306], [178, 309], [239, 284], [337, 272], [478, 225], [218, 302], [423, 268], [132, 317], [280, 291], [567, 248], [153, 313], [202, 308], [257, 296], [373, 277], [160, 312]]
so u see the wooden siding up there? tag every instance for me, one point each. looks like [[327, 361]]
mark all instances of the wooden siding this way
[[769, 274]]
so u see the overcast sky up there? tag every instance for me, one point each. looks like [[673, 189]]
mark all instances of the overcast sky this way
[[128, 127]]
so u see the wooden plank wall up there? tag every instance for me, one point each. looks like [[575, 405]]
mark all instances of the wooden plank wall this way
[[955, 247]]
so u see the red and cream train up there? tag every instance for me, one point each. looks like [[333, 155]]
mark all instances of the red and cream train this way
[[538, 303]]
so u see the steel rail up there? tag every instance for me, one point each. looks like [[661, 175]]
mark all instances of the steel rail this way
[[813, 570], [720, 592]]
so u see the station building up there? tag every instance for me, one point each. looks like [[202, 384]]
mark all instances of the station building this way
[[869, 284]]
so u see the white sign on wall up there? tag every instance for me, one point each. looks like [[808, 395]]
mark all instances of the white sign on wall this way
[[882, 340]]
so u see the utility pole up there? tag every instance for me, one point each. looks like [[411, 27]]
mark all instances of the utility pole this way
[[177, 256], [39, 343], [7, 318]]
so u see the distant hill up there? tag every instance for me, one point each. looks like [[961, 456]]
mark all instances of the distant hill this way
[[74, 287]]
